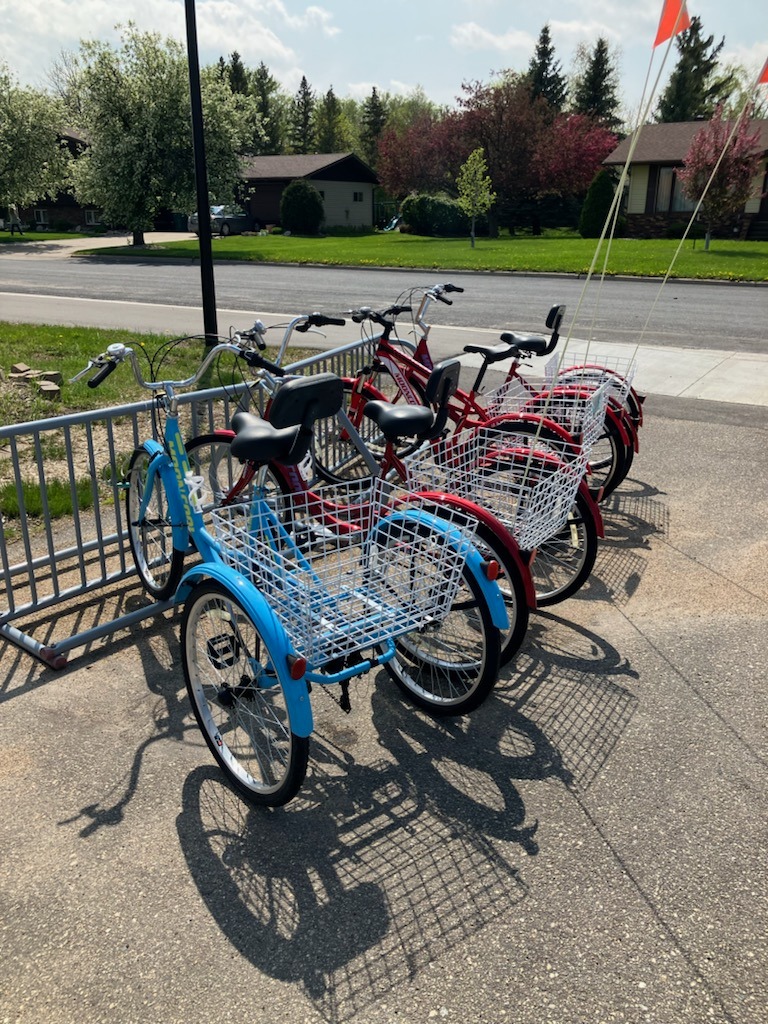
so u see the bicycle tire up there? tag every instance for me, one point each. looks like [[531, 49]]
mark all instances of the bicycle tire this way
[[564, 562], [158, 562], [237, 700], [210, 456], [337, 460], [448, 667]]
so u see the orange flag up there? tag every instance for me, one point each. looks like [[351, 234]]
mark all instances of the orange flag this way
[[763, 79], [674, 19]]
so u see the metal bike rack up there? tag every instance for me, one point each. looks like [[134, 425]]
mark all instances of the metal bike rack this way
[[47, 560]]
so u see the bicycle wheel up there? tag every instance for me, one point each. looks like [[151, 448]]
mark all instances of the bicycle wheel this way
[[237, 699], [159, 564], [563, 562], [337, 458], [610, 458], [227, 479], [448, 667]]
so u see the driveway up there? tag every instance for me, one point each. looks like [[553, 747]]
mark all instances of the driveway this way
[[59, 249]]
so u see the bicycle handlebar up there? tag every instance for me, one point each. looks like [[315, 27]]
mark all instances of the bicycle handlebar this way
[[102, 374]]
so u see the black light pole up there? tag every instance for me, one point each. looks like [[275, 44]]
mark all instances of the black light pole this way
[[201, 179]]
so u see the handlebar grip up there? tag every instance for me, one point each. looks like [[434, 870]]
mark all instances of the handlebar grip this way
[[102, 374], [335, 321], [256, 359], [453, 288], [441, 298]]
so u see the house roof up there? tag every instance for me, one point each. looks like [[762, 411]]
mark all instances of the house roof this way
[[669, 143], [310, 165]]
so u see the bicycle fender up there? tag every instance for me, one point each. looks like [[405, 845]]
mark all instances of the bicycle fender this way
[[257, 606], [497, 528], [156, 454], [489, 588], [593, 507]]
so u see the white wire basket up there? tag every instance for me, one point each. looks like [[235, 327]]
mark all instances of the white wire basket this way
[[346, 571], [528, 483], [580, 370], [581, 414]]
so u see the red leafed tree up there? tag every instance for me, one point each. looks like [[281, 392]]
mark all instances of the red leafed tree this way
[[733, 182], [569, 154], [423, 157], [506, 122]]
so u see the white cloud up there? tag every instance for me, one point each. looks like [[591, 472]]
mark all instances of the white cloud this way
[[472, 36]]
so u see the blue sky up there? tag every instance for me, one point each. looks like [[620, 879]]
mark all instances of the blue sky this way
[[395, 45]]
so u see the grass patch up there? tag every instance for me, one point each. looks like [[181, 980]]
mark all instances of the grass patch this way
[[6, 238], [58, 496], [67, 349], [552, 252]]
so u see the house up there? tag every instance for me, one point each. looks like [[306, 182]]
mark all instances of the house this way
[[346, 186], [63, 212], [655, 201]]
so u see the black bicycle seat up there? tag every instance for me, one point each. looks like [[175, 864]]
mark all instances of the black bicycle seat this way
[[396, 421], [258, 441], [493, 353], [533, 343]]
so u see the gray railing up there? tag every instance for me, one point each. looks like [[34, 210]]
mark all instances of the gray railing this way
[[63, 534]]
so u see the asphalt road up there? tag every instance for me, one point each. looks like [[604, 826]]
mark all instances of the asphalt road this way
[[685, 314]]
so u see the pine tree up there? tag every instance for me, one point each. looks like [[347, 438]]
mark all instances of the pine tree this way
[[270, 104], [301, 130], [237, 75], [329, 131], [545, 73], [594, 91], [374, 117], [694, 88]]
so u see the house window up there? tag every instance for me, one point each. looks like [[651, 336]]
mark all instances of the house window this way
[[669, 193], [357, 197], [41, 217], [90, 218]]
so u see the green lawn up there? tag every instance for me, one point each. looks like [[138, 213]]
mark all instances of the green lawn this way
[[556, 253], [6, 238]]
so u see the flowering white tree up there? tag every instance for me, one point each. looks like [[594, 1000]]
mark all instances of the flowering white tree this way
[[34, 162]]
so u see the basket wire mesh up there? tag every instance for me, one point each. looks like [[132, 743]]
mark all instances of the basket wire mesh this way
[[577, 370], [347, 572], [527, 482]]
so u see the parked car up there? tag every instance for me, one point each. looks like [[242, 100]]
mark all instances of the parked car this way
[[225, 220]]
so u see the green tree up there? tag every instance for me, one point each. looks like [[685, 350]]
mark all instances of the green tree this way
[[301, 120], [695, 86], [476, 195], [237, 74], [374, 118], [597, 204], [271, 107], [594, 91], [545, 73], [726, 167], [301, 208], [138, 121], [34, 163], [331, 132]]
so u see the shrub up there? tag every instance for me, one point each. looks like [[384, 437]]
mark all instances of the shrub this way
[[596, 205], [438, 215], [301, 208]]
